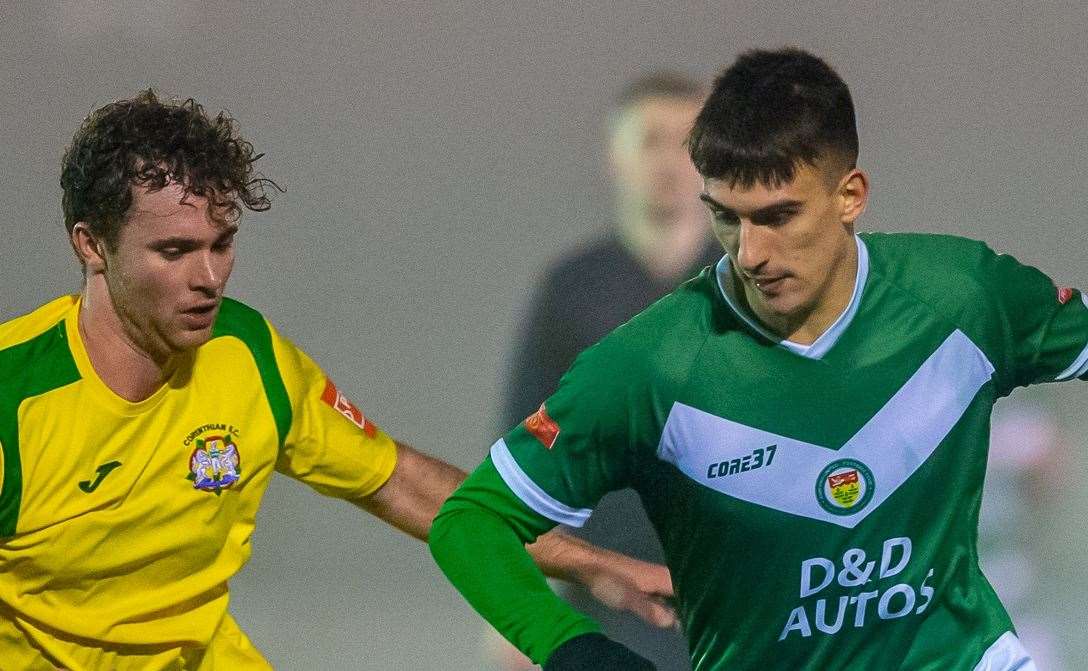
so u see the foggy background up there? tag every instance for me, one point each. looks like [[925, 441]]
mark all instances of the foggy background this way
[[437, 155]]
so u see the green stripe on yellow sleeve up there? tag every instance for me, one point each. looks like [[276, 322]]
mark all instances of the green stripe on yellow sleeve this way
[[243, 322], [29, 369]]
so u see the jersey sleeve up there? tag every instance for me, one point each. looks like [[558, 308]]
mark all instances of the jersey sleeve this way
[[1044, 328], [484, 523], [585, 440], [331, 445]]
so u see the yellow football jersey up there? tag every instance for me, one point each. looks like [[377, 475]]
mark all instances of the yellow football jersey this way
[[121, 523]]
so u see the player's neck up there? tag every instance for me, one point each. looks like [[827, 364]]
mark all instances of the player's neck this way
[[122, 365], [665, 250], [806, 327]]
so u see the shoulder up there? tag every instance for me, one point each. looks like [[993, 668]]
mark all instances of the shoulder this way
[[34, 350], [239, 320], [668, 334], [937, 253], [277, 360], [33, 324], [270, 351], [949, 265], [935, 268]]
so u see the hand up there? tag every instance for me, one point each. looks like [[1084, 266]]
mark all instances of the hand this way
[[642, 588], [594, 652], [616, 580]]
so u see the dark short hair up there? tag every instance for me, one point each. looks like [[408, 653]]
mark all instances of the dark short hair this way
[[149, 142], [661, 84], [770, 112]]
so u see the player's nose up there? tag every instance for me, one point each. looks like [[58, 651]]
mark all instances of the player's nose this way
[[752, 249], [207, 274]]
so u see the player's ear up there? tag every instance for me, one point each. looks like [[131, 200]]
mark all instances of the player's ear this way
[[853, 194], [89, 249], [623, 138]]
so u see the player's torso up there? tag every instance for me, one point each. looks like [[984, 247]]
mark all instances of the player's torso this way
[[129, 510], [810, 505]]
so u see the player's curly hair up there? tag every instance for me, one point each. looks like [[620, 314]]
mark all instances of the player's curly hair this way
[[149, 142]]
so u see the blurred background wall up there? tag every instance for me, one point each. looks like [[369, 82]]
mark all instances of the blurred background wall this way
[[436, 155]]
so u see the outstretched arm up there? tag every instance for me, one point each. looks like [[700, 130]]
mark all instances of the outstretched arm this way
[[413, 494], [478, 539]]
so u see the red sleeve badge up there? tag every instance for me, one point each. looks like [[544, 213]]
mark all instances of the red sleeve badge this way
[[345, 407], [1064, 294], [542, 427]]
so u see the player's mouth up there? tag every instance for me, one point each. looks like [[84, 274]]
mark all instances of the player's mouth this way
[[200, 316], [768, 284]]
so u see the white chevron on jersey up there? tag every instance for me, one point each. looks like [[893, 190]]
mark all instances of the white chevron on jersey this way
[[893, 444]]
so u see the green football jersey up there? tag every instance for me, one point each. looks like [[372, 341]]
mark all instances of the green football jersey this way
[[817, 504]]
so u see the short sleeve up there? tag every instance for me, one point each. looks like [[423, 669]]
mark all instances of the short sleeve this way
[[1045, 327], [331, 445], [583, 441]]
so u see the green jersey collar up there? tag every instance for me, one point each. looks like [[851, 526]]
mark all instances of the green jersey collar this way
[[827, 340]]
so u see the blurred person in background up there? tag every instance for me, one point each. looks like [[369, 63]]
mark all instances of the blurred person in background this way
[[1029, 467], [658, 239]]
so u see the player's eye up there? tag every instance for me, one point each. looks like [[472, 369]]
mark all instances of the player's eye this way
[[776, 218], [171, 253], [224, 244], [723, 217]]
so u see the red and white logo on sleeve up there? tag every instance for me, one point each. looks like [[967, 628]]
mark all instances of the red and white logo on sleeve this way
[[345, 407], [542, 427], [1064, 294]]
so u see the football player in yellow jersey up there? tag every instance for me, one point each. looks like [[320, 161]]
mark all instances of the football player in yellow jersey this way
[[150, 401]]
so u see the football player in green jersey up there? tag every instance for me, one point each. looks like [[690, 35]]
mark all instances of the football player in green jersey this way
[[806, 422]]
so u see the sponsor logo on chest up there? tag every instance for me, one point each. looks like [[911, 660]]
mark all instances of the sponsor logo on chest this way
[[874, 591], [757, 459]]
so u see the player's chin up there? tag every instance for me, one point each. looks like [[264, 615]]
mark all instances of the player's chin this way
[[188, 339], [782, 303]]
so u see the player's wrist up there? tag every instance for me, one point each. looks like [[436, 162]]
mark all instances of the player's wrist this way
[[569, 558], [595, 652]]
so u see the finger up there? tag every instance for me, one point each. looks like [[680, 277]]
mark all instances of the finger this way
[[657, 582], [654, 612]]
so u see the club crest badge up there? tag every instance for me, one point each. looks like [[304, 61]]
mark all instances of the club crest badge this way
[[215, 464], [845, 487]]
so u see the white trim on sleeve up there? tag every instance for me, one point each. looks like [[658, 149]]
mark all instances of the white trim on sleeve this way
[[528, 491], [1076, 369], [1006, 654]]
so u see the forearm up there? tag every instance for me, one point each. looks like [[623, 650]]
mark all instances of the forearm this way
[[420, 484], [486, 560], [566, 557], [413, 494]]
